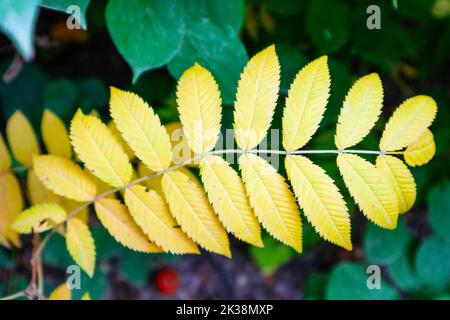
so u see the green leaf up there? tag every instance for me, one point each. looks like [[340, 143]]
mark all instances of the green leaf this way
[[315, 286], [17, 21], [147, 33], [328, 24], [223, 13], [272, 256], [93, 94], [385, 246], [219, 50], [63, 5], [128, 265], [55, 253], [433, 262], [439, 208], [404, 274], [286, 7], [5, 260], [60, 96], [348, 281]]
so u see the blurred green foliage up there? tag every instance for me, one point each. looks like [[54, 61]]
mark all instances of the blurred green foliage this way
[[145, 46]]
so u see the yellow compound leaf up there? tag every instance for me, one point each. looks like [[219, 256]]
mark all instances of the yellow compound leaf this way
[[360, 111], [80, 244], [180, 148], [408, 123], [5, 159], [112, 127], [401, 179], [119, 223], [141, 129], [199, 106], [190, 207], [227, 194], [39, 218], [152, 214], [256, 98], [320, 200], [11, 204], [64, 177], [55, 136], [421, 151], [62, 292], [37, 192], [272, 200], [100, 151], [370, 189], [21, 138], [305, 104]]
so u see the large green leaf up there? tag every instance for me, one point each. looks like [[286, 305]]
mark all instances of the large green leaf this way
[[404, 274], [147, 33], [439, 209], [218, 49], [63, 5], [433, 262], [349, 281], [17, 21], [385, 246]]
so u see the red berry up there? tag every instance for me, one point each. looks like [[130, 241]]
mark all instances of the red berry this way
[[167, 281]]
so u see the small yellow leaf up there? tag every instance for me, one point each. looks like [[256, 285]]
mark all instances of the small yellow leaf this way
[[190, 207], [55, 136], [80, 245], [226, 192], [256, 98], [11, 204], [421, 151], [272, 200], [97, 147], [39, 218], [21, 138], [320, 199], [305, 104], [370, 189], [360, 111], [61, 293], [401, 179], [152, 214], [119, 223], [408, 123], [141, 129], [199, 106], [37, 192], [5, 159], [64, 177]]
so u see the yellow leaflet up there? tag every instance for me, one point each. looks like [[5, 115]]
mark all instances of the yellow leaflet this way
[[199, 106], [5, 159], [180, 148], [141, 129], [112, 127], [152, 214], [101, 186], [371, 191], [421, 151], [64, 177], [61, 293], [55, 136], [80, 245], [226, 192], [360, 111], [99, 150], [401, 179], [117, 220], [256, 98], [21, 138], [273, 202], [190, 207], [37, 192], [320, 200], [408, 123], [11, 204], [305, 104], [39, 218]]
